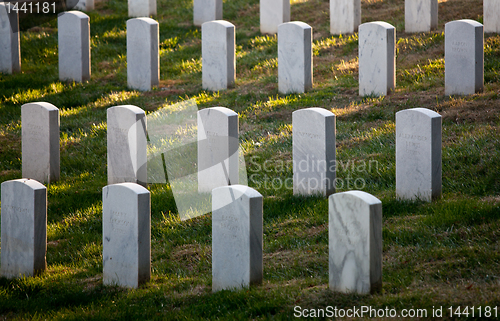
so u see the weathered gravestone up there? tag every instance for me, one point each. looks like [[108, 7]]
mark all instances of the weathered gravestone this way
[[218, 55], [314, 165], [73, 28], [127, 145], [418, 154], [236, 237], [272, 14], [40, 141], [463, 57], [345, 16], [355, 242], [10, 50], [24, 228], [377, 58], [217, 148], [141, 8], [143, 60], [295, 69], [491, 16], [421, 15], [126, 235], [206, 10]]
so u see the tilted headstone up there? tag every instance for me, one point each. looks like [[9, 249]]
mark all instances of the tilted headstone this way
[[74, 46], [218, 55], [421, 15], [295, 69], [141, 8], [10, 50], [345, 16], [491, 16], [143, 59], [355, 242], [24, 228], [272, 14], [127, 145], [206, 10], [84, 5], [377, 58], [314, 165], [40, 142], [217, 148], [418, 154], [236, 237], [463, 57], [126, 235]]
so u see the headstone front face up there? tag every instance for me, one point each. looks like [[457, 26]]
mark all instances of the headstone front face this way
[[355, 242], [85, 5], [218, 55], [24, 228], [377, 58], [272, 14], [491, 16], [217, 148], [141, 8], [236, 237], [127, 145], [143, 60], [206, 10], [314, 164], [74, 46], [126, 235], [421, 15], [418, 154], [345, 16], [463, 57], [10, 50], [295, 71], [40, 141]]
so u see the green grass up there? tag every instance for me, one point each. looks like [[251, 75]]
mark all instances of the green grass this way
[[443, 253]]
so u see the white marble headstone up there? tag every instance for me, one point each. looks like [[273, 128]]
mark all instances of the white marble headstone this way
[[218, 55], [143, 59], [421, 15], [345, 16], [491, 16], [272, 14], [141, 8], [418, 154], [377, 58], [355, 242], [295, 68], [313, 152], [217, 148], [24, 228], [84, 5], [127, 145], [236, 237], [10, 50], [40, 141], [463, 57], [206, 10], [126, 235], [73, 28]]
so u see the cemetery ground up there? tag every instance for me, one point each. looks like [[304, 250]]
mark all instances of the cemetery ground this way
[[440, 254]]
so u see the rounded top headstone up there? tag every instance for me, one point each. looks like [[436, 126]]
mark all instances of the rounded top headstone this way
[[367, 198], [295, 25], [133, 109], [216, 23], [470, 22], [222, 110], [132, 187], [31, 183], [73, 14], [427, 112], [321, 111], [38, 105], [142, 20], [375, 24], [225, 195]]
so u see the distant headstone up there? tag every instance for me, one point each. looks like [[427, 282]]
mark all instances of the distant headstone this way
[[272, 14], [40, 141], [217, 148], [314, 165], [218, 55], [141, 8], [491, 16], [127, 145], [345, 16], [143, 60], [126, 235], [421, 15], [377, 58], [418, 154], [463, 57], [355, 242], [206, 10], [236, 237], [74, 46], [84, 5], [10, 50], [295, 69], [24, 228]]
